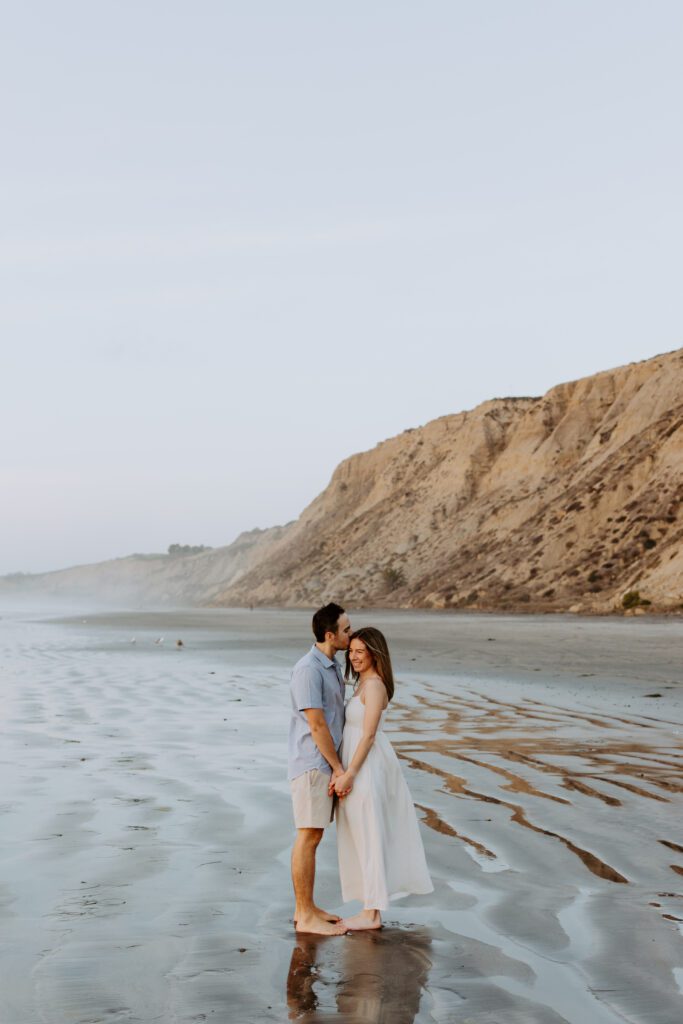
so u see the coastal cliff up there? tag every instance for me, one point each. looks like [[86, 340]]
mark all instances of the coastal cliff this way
[[570, 501]]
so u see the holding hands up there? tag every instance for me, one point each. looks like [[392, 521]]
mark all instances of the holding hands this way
[[341, 783]]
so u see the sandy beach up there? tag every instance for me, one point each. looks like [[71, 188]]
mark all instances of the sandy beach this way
[[146, 823]]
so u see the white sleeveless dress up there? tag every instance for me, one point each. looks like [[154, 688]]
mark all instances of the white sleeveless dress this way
[[381, 856]]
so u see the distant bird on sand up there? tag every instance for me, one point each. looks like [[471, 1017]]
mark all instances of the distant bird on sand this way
[[159, 640], [179, 643], [133, 640]]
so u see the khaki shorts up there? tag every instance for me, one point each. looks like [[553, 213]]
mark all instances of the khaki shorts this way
[[313, 808]]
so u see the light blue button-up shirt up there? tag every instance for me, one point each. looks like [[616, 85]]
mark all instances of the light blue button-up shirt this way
[[317, 682]]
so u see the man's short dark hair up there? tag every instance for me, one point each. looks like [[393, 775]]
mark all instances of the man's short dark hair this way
[[326, 620]]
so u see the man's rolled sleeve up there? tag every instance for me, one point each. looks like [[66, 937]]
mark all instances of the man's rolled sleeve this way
[[307, 688]]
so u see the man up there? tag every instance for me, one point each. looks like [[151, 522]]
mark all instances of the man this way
[[315, 734]]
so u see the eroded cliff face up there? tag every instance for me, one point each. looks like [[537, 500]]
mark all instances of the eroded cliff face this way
[[566, 501]]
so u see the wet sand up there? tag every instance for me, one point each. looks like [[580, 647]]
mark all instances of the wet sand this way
[[146, 824]]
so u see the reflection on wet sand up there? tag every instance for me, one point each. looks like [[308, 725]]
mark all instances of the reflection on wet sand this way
[[363, 978]]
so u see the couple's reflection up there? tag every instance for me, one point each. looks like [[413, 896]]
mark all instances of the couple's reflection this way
[[366, 977]]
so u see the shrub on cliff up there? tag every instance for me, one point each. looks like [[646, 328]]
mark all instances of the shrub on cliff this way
[[633, 600], [187, 549], [393, 578]]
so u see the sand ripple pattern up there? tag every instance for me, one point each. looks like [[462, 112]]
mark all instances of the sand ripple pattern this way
[[145, 829]]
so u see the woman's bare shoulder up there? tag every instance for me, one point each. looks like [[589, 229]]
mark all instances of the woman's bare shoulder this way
[[375, 686]]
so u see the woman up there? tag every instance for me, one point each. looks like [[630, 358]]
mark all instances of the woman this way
[[380, 850]]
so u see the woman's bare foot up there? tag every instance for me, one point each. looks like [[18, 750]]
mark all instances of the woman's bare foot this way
[[312, 924], [367, 920]]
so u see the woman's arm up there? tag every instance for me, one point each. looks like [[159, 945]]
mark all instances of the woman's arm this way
[[375, 695]]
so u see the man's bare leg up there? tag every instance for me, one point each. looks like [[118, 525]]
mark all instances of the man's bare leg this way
[[367, 920], [308, 917]]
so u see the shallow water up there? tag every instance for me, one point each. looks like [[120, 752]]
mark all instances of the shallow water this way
[[146, 823]]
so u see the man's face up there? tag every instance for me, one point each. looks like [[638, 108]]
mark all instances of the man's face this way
[[340, 641]]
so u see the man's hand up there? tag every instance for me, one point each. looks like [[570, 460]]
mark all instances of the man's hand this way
[[336, 773]]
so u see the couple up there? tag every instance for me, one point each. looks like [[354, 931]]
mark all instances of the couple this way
[[340, 756]]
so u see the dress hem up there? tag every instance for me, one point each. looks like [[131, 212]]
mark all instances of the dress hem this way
[[393, 896]]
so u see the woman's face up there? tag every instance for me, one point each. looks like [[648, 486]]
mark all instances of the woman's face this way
[[360, 657]]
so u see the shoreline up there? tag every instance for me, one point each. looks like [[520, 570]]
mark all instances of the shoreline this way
[[13, 596]]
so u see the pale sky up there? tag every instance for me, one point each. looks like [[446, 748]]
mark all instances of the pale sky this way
[[242, 241]]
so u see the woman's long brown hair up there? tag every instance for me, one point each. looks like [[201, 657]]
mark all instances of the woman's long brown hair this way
[[379, 652]]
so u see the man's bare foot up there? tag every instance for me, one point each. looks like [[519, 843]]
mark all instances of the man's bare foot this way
[[367, 920], [312, 924], [324, 915]]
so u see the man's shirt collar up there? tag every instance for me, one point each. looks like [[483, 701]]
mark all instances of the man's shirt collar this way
[[323, 659]]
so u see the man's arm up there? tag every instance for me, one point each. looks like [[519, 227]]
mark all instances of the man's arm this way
[[323, 738]]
